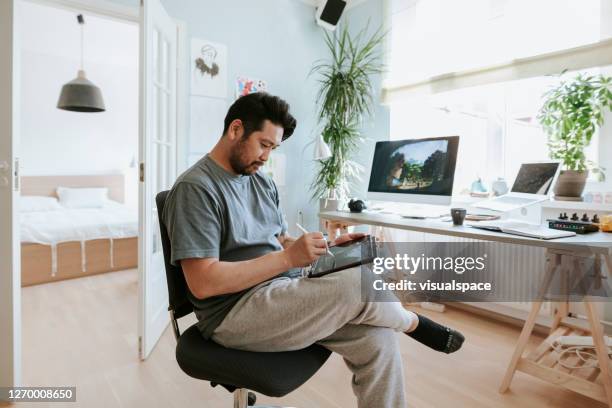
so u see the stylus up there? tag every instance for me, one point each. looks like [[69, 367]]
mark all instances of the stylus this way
[[306, 232]]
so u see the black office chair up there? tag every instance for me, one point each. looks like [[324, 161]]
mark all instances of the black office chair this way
[[273, 374]]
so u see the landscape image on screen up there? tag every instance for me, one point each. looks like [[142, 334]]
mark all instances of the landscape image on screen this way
[[413, 167]]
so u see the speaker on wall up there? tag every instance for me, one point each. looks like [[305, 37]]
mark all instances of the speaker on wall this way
[[329, 13]]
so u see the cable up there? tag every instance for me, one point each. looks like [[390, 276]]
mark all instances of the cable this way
[[81, 22], [586, 354]]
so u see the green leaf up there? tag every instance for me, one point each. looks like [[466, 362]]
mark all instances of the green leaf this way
[[570, 115], [345, 97]]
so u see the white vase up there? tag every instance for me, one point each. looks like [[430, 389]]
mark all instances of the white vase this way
[[499, 187], [329, 204]]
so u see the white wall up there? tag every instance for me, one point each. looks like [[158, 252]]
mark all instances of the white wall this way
[[54, 141]]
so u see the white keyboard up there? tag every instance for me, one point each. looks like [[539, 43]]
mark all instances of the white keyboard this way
[[415, 211], [426, 211]]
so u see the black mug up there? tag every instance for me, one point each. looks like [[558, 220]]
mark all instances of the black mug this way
[[458, 215]]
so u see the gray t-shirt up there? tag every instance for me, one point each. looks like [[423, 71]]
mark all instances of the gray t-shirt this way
[[210, 212]]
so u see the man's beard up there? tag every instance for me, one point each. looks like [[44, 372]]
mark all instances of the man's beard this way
[[240, 165]]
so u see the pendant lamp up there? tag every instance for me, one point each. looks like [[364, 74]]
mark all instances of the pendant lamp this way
[[80, 94]]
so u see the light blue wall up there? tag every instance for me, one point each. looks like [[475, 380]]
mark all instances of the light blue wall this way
[[275, 40], [278, 40], [375, 128]]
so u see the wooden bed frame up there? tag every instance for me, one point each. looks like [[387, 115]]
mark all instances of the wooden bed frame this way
[[36, 258]]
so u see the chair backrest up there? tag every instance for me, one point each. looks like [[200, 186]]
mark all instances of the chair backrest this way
[[178, 300]]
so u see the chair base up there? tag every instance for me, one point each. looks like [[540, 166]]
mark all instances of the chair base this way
[[241, 400]]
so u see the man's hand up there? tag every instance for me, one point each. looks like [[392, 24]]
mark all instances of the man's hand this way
[[285, 240], [347, 237], [306, 249]]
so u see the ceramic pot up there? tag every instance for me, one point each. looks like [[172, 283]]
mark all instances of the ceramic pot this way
[[570, 185], [329, 204]]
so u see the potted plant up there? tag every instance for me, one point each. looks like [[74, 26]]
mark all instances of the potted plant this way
[[571, 114], [345, 97]]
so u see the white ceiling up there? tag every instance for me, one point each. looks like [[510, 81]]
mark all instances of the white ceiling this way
[[55, 32]]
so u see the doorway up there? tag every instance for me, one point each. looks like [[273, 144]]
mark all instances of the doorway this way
[[78, 205], [145, 164]]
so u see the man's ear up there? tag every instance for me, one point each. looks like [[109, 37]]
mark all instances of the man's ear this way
[[235, 130]]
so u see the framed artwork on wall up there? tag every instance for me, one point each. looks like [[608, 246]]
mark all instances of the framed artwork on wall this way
[[208, 68]]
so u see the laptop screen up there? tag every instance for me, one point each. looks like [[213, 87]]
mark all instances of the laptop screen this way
[[535, 178]]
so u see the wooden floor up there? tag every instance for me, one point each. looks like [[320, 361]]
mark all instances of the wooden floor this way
[[82, 333]]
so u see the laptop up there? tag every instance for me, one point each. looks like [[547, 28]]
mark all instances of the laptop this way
[[532, 185]]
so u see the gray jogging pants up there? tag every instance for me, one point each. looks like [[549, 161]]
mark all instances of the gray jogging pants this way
[[289, 314]]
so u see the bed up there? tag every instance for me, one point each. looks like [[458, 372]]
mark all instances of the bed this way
[[62, 243]]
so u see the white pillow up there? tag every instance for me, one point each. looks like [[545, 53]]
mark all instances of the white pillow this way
[[38, 203], [82, 197]]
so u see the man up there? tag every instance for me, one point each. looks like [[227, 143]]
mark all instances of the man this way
[[242, 268]]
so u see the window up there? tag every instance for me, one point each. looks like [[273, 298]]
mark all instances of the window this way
[[497, 125], [434, 37], [441, 82]]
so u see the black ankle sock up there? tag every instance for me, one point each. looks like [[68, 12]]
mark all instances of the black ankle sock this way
[[436, 336]]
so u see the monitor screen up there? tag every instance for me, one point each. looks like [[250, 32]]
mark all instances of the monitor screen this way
[[535, 178], [417, 166]]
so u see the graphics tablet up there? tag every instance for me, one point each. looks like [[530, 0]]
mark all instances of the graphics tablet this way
[[347, 255]]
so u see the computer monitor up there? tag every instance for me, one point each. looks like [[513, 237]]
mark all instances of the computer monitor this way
[[414, 171]]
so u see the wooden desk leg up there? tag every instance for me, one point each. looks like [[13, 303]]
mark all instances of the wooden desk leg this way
[[331, 229], [561, 311], [599, 341], [601, 349], [344, 229], [554, 261]]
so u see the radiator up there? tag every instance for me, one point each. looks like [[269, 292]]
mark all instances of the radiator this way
[[515, 266]]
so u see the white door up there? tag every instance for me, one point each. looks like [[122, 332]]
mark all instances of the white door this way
[[158, 47], [10, 279]]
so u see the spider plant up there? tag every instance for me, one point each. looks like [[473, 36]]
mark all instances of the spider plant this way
[[345, 97]]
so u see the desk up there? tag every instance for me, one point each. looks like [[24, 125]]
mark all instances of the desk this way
[[561, 258]]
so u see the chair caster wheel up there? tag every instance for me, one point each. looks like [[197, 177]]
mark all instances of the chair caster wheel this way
[[252, 399]]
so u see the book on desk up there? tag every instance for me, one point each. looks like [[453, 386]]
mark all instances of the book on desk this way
[[522, 228]]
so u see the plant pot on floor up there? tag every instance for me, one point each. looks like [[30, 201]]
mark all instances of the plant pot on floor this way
[[570, 185]]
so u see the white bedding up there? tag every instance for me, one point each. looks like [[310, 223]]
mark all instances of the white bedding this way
[[79, 224]]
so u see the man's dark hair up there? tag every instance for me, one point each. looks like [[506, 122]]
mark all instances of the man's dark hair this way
[[253, 109]]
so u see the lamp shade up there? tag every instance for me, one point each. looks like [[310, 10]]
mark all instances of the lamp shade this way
[[81, 95]]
